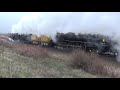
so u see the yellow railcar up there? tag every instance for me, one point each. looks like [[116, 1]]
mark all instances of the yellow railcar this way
[[33, 38], [44, 40]]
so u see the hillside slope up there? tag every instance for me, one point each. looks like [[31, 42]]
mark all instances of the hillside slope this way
[[13, 65], [18, 60]]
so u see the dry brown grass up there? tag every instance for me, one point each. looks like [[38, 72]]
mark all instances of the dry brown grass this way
[[13, 65], [79, 59], [25, 49], [30, 50], [93, 64]]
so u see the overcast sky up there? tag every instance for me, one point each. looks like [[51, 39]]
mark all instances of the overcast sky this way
[[7, 19]]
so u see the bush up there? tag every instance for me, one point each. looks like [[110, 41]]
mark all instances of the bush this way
[[25, 49], [92, 63], [30, 50], [89, 62]]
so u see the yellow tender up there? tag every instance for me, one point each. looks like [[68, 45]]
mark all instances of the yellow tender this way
[[45, 39], [34, 38]]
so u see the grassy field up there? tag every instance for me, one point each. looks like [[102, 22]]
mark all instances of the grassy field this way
[[13, 65], [28, 61]]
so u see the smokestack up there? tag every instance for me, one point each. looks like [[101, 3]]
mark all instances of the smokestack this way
[[48, 23]]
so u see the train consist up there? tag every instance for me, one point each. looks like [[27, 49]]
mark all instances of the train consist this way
[[99, 44], [32, 39]]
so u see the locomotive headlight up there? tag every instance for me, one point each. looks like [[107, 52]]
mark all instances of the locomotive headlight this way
[[116, 54], [111, 53]]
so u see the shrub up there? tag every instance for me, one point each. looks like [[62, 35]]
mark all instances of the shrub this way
[[90, 63], [31, 50], [25, 49]]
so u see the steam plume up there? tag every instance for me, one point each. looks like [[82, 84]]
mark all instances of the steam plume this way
[[48, 23]]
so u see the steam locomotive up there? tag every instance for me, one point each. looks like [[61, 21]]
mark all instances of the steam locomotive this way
[[98, 44]]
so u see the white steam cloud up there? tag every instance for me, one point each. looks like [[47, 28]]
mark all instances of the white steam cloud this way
[[48, 23]]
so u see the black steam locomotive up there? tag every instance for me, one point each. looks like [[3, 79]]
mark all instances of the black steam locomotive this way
[[96, 43], [99, 44]]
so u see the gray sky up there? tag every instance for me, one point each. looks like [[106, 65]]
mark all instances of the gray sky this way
[[7, 19]]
